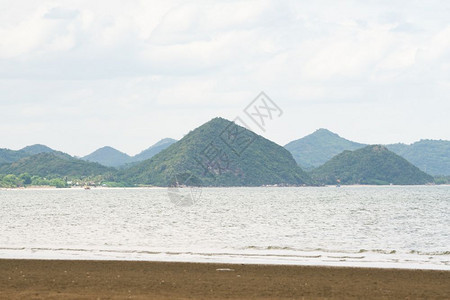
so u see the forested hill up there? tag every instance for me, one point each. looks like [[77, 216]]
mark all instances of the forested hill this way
[[373, 164], [220, 153], [320, 146], [108, 156], [431, 156], [54, 164]]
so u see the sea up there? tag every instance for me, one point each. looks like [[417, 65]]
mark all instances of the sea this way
[[356, 226]]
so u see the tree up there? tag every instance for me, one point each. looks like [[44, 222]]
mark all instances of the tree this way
[[26, 178], [11, 180]]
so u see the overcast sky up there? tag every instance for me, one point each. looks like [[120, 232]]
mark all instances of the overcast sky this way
[[78, 75]]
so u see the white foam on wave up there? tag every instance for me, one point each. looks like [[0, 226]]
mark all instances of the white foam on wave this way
[[409, 261]]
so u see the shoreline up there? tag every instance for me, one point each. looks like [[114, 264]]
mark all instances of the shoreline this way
[[306, 260], [69, 279], [46, 187]]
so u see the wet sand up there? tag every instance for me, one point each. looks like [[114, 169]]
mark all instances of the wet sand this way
[[58, 279]]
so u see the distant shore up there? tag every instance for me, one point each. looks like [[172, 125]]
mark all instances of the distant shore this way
[[62, 279], [46, 187]]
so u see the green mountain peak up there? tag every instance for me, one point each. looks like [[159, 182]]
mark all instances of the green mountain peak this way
[[220, 153], [373, 164], [107, 156], [36, 149], [320, 146]]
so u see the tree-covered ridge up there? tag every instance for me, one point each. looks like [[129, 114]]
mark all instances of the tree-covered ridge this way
[[240, 158], [54, 164], [8, 156], [431, 156], [317, 148], [373, 164], [36, 149]]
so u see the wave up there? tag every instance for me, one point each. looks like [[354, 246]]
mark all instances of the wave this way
[[379, 251], [258, 248], [252, 254], [434, 253]]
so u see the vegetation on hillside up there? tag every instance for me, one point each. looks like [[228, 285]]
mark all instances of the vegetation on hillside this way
[[220, 153], [55, 164], [317, 148], [36, 149], [370, 165], [8, 156], [431, 156]]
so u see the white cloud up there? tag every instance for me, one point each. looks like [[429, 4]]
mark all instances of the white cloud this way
[[61, 13], [96, 66]]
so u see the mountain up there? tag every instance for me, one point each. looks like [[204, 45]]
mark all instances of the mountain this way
[[431, 156], [111, 157], [317, 148], [219, 153], [108, 156], [36, 149], [373, 164], [8, 156], [55, 164], [153, 150]]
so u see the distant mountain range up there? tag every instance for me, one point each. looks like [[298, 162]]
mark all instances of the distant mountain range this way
[[373, 164], [317, 148], [106, 156], [219, 153], [54, 164], [111, 157], [312, 151], [9, 156], [431, 156]]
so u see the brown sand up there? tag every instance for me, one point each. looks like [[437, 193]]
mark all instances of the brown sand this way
[[37, 279]]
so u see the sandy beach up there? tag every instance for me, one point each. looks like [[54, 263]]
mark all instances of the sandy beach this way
[[58, 279]]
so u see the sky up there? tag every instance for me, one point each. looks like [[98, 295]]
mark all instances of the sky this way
[[79, 75]]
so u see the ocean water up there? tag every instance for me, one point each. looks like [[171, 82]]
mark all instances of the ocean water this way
[[390, 226]]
